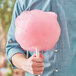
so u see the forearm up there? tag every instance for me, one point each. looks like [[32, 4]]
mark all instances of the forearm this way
[[19, 60]]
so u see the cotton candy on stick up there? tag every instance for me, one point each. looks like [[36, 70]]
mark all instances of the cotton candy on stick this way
[[37, 30]]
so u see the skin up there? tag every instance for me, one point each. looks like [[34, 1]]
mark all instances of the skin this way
[[2, 61], [33, 65]]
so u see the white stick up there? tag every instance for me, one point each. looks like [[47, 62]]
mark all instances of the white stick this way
[[37, 54]]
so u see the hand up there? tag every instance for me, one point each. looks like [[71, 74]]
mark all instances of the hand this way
[[34, 65]]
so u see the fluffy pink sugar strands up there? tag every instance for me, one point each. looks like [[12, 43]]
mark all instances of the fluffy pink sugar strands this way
[[37, 29]]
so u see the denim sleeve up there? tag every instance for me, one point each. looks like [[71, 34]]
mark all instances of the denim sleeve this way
[[12, 46]]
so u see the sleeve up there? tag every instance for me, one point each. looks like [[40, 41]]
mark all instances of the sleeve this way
[[12, 47]]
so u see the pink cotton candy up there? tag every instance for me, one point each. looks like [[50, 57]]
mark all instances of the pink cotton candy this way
[[37, 29]]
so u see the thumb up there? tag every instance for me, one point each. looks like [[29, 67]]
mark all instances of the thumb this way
[[41, 56]]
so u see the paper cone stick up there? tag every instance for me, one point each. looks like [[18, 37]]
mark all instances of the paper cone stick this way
[[37, 54]]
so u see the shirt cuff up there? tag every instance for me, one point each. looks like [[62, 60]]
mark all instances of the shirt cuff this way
[[12, 52]]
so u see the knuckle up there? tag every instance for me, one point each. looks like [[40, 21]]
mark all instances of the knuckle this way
[[42, 68], [42, 59], [41, 72], [42, 64]]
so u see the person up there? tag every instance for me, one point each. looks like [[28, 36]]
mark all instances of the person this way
[[61, 60]]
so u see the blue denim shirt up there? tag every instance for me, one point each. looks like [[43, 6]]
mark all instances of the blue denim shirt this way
[[61, 60]]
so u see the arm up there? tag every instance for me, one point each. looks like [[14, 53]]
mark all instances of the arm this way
[[32, 65], [18, 60], [16, 55], [12, 46]]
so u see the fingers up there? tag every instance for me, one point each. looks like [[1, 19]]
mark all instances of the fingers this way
[[36, 64], [37, 59], [36, 71], [36, 68], [41, 56]]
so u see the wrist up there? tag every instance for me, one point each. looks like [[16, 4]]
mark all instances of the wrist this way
[[24, 65]]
